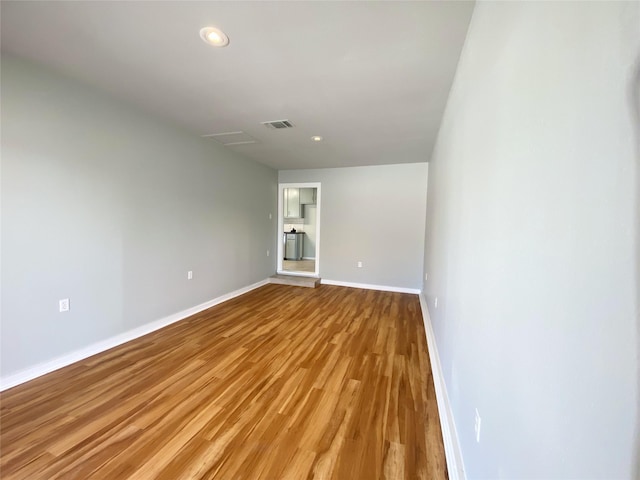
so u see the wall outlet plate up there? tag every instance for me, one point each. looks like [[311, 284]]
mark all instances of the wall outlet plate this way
[[189, 275], [64, 305], [478, 424], [359, 264]]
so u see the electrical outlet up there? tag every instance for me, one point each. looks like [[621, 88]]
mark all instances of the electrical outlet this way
[[426, 277], [478, 424], [64, 305], [435, 302], [268, 252], [270, 216], [189, 275], [359, 264]]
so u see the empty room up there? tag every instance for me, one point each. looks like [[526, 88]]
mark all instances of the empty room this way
[[320, 239]]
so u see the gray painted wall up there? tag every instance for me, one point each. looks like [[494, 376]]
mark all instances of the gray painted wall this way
[[309, 227], [530, 243], [371, 214], [109, 207]]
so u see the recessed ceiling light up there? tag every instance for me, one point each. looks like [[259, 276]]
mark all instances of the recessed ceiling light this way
[[214, 36], [316, 138]]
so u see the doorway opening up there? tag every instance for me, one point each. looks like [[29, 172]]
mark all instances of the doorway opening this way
[[299, 229]]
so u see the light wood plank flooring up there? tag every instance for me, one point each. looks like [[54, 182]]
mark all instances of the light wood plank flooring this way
[[299, 265], [280, 383]]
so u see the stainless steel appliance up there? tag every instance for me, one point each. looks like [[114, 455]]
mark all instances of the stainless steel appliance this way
[[293, 245]]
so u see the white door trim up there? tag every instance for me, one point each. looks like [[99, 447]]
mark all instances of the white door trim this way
[[280, 239]]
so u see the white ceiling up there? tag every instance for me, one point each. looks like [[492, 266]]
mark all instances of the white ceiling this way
[[372, 78]]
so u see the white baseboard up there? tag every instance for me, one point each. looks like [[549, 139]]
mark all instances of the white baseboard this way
[[452, 451], [308, 258], [367, 286], [98, 347]]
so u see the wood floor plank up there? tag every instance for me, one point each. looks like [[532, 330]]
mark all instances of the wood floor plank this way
[[280, 383]]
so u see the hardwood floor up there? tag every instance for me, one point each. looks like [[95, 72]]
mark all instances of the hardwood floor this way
[[280, 383]]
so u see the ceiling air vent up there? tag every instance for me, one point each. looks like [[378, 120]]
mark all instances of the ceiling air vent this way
[[231, 138], [278, 124]]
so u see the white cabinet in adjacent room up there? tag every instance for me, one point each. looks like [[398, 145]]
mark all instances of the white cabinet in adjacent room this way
[[292, 203], [308, 196]]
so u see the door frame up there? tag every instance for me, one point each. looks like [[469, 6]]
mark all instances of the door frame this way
[[280, 239]]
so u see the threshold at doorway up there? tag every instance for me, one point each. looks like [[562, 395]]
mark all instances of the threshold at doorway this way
[[295, 280]]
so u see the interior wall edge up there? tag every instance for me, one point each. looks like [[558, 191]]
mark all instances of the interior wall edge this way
[[452, 450]]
